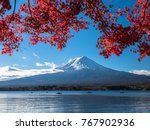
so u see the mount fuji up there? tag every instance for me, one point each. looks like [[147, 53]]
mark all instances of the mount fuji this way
[[80, 71], [81, 63]]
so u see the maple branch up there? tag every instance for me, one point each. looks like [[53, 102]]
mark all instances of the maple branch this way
[[14, 7], [29, 7], [13, 11], [100, 15]]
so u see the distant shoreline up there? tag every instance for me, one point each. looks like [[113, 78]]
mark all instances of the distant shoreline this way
[[74, 88]]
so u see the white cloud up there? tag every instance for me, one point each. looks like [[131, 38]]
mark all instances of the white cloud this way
[[8, 69], [7, 72], [24, 58], [141, 72], [46, 64], [35, 55], [14, 65], [17, 65], [38, 64]]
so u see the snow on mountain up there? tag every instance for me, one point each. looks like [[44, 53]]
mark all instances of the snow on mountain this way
[[81, 63]]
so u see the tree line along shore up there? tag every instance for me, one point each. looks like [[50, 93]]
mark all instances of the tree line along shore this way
[[76, 88]]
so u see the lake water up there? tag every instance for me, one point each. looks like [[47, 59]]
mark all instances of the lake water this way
[[75, 101]]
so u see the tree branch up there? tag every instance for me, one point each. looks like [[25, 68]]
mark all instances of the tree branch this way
[[29, 6]]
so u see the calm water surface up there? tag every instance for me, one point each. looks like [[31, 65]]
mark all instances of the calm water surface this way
[[75, 101]]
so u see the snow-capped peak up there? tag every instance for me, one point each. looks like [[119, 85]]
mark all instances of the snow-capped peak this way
[[79, 63]]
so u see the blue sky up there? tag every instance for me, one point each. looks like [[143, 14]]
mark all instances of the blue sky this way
[[82, 44]]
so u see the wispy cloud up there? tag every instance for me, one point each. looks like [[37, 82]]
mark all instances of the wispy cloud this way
[[35, 55], [38, 64], [24, 58], [141, 72], [46, 64], [15, 65], [18, 65], [7, 72]]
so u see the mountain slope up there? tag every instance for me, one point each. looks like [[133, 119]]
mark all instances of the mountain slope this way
[[80, 71]]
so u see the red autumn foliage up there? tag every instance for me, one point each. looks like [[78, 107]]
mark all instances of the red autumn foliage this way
[[52, 21]]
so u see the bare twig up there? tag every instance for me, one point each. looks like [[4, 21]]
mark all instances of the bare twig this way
[[29, 6]]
